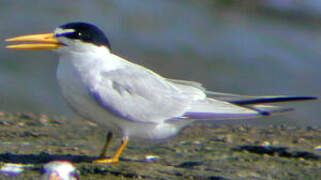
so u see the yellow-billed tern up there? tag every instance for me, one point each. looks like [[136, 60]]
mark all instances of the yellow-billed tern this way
[[97, 83]]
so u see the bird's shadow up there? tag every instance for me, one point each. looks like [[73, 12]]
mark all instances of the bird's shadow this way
[[43, 157]]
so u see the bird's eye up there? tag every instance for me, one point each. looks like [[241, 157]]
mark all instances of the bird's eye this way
[[79, 34]]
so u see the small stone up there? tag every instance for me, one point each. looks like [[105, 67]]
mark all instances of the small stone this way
[[151, 157], [2, 113], [196, 142], [265, 143], [317, 148], [43, 119]]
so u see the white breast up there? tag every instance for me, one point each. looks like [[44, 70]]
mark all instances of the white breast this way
[[78, 73]]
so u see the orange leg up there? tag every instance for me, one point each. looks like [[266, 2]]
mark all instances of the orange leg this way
[[115, 157], [107, 143]]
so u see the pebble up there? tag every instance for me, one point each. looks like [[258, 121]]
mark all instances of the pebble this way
[[151, 157], [13, 168], [317, 148]]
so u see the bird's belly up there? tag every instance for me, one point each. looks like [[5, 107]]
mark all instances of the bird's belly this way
[[77, 96]]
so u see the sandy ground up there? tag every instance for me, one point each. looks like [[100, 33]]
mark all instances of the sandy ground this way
[[201, 151]]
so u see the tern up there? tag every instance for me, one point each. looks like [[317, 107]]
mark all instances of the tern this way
[[114, 92]]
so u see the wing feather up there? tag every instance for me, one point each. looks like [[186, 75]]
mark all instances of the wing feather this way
[[138, 94]]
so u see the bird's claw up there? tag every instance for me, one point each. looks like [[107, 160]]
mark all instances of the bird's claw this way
[[106, 160]]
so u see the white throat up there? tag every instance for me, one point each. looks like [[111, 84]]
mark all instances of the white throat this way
[[86, 63], [87, 57]]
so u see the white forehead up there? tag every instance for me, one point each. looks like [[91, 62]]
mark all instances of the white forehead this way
[[59, 31]]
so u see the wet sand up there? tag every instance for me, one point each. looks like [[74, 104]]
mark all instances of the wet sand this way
[[201, 151]]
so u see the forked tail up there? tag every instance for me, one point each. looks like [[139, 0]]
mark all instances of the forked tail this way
[[219, 106]]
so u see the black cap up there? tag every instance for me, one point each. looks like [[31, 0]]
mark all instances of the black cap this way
[[85, 32]]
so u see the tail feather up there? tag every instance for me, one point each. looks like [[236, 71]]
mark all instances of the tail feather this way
[[220, 106], [267, 110], [271, 99], [251, 107], [245, 99], [217, 110]]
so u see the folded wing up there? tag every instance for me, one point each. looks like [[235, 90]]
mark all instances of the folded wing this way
[[140, 95], [234, 106]]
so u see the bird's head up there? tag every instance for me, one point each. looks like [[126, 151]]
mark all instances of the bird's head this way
[[76, 36]]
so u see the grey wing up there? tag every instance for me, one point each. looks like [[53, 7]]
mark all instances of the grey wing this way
[[254, 103], [138, 94], [193, 84]]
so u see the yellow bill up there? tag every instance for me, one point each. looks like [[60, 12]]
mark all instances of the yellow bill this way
[[35, 41]]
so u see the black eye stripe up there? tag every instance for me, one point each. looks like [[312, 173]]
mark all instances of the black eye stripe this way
[[63, 34], [74, 35]]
